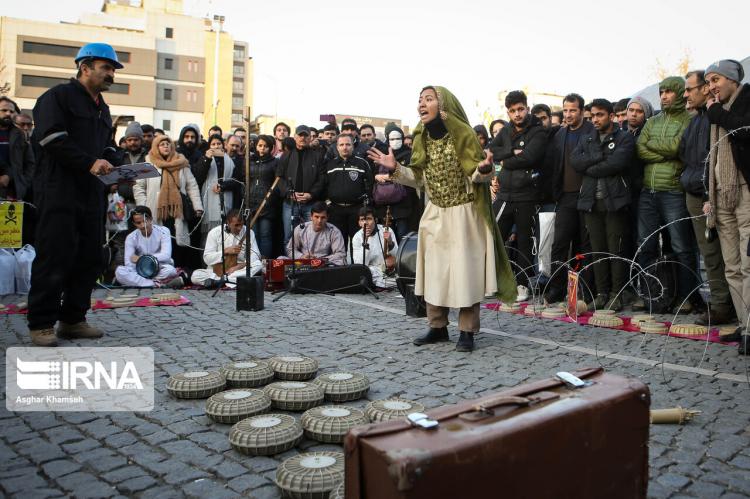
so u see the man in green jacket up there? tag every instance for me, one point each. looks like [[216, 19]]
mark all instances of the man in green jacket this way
[[662, 199]]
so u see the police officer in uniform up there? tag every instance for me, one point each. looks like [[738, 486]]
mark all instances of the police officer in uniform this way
[[73, 129], [348, 183]]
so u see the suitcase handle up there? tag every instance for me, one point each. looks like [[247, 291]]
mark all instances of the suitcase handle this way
[[487, 407]]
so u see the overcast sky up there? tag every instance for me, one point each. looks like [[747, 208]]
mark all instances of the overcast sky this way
[[372, 58]]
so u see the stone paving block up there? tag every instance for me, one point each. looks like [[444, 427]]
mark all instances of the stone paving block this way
[[81, 446], [207, 488], [39, 451], [55, 469], [27, 481], [63, 434], [136, 484], [248, 482], [122, 474], [83, 484]]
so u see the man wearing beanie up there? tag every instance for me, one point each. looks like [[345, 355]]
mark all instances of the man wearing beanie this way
[[638, 110], [662, 199], [729, 180], [693, 153], [117, 221]]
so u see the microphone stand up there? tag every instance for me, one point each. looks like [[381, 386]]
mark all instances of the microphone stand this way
[[293, 219], [223, 278], [365, 246]]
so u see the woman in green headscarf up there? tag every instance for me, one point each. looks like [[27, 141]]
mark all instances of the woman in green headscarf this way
[[460, 255]]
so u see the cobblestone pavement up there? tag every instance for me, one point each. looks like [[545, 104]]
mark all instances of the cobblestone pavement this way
[[176, 451]]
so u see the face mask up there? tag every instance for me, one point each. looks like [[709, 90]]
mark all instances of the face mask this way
[[396, 144]]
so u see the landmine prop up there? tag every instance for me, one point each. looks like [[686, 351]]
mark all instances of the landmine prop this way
[[160, 297], [611, 321], [378, 411], [534, 310], [294, 367], [265, 435], [22, 305], [294, 395], [312, 475], [553, 313], [122, 301], [232, 406], [727, 330], [639, 319], [604, 312], [688, 329], [653, 327], [247, 374], [343, 386], [338, 492], [330, 424], [510, 307], [195, 384], [675, 415]]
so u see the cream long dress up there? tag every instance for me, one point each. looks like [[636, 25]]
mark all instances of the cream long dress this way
[[455, 248]]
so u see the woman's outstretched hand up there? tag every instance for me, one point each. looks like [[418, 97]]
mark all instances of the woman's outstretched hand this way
[[386, 160]]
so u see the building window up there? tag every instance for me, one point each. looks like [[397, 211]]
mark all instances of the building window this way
[[192, 96], [239, 69], [237, 102], [168, 63], [169, 33], [49, 82], [62, 50], [167, 94], [238, 86], [166, 125], [239, 53], [236, 118]]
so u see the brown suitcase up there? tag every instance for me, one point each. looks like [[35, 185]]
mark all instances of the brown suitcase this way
[[539, 440]]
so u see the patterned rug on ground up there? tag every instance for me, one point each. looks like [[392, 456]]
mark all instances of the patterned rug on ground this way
[[712, 336], [141, 301]]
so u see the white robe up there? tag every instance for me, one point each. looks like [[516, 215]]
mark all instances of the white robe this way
[[159, 245], [212, 256], [374, 254]]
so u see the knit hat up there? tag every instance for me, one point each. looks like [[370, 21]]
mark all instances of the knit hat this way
[[648, 109], [134, 130], [728, 68]]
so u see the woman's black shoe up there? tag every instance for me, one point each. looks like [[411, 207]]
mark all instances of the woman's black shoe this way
[[465, 342], [434, 335]]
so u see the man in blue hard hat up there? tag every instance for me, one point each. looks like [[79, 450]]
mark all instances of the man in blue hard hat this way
[[71, 142]]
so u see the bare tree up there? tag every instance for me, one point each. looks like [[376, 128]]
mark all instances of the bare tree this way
[[4, 84], [680, 68]]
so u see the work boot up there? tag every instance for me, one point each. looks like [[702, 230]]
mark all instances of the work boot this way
[[600, 302], [735, 336], [615, 304], [718, 316], [434, 335], [638, 304], [176, 283], [44, 337], [79, 330], [465, 342], [685, 308]]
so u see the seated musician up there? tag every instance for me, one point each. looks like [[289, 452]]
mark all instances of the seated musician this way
[[148, 239], [318, 239], [234, 253], [377, 241]]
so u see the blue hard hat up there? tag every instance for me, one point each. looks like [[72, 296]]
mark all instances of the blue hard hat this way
[[99, 51]]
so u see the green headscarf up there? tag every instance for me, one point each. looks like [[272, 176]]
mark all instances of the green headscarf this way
[[470, 154]]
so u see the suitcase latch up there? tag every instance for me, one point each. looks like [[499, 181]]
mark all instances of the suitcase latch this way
[[421, 420]]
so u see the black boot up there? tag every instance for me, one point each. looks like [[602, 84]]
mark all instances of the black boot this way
[[434, 335], [465, 342]]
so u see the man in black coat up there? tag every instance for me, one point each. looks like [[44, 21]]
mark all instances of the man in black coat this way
[[348, 181], [519, 149], [571, 237], [693, 153], [73, 128], [301, 183], [604, 157]]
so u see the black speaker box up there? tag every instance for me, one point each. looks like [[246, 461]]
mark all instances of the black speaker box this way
[[250, 293], [339, 279]]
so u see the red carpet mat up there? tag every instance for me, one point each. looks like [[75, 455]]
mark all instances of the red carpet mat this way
[[712, 336], [144, 301]]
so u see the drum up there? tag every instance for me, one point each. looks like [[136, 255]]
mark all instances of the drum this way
[[147, 266], [406, 259]]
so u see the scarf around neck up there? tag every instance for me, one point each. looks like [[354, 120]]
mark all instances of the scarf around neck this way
[[169, 201], [723, 176]]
